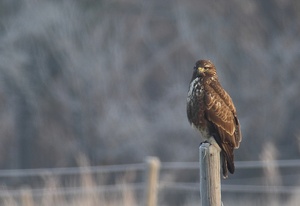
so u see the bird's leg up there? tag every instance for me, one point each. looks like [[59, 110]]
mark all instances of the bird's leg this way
[[205, 146], [213, 142], [206, 141]]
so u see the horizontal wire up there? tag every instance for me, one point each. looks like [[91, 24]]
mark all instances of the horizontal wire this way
[[139, 167], [72, 190], [261, 189], [235, 188], [72, 170], [258, 164], [141, 186], [238, 164]]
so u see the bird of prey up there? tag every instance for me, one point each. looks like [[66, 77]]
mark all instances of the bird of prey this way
[[211, 111]]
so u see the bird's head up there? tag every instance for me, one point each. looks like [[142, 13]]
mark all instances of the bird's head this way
[[204, 68]]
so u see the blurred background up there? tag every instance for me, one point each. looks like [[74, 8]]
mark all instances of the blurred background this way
[[108, 79]]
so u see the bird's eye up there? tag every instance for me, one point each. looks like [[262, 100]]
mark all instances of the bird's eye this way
[[206, 67]]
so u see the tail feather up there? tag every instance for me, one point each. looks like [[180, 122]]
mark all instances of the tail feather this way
[[227, 156], [230, 164], [224, 166], [227, 161]]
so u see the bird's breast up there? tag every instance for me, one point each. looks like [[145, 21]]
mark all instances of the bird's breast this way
[[196, 89], [196, 104]]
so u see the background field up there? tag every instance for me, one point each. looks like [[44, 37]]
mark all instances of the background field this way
[[108, 80]]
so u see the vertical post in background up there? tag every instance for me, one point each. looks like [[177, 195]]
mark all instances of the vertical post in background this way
[[26, 197], [152, 174], [210, 186]]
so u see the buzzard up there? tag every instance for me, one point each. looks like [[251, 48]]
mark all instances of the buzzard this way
[[211, 110]]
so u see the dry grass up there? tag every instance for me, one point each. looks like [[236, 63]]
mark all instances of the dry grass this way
[[86, 189], [91, 189], [54, 194]]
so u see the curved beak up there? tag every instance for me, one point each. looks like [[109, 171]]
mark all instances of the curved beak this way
[[200, 69]]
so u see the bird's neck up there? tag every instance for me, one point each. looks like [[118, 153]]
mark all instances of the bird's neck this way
[[210, 79]]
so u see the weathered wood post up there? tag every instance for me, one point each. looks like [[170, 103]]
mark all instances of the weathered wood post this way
[[26, 197], [210, 186], [152, 174]]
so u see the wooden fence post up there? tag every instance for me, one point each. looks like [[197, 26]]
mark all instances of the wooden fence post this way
[[26, 197], [152, 174], [210, 186]]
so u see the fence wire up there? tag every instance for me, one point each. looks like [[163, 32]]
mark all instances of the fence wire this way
[[72, 170], [140, 167], [140, 185]]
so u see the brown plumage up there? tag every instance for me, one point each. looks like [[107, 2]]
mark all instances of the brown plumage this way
[[211, 110]]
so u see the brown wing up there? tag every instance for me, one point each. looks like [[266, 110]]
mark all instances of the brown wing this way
[[221, 113]]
